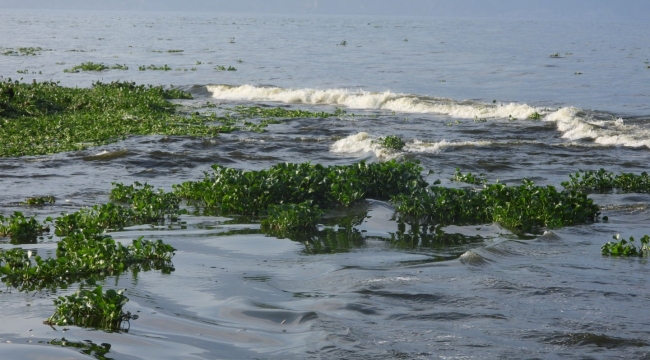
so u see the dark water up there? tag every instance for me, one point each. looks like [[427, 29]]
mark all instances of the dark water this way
[[462, 292]]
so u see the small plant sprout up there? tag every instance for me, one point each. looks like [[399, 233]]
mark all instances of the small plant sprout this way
[[343, 43]]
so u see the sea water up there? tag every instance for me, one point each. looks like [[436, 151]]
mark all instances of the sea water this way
[[459, 92]]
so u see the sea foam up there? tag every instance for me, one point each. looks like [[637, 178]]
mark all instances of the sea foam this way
[[573, 123]]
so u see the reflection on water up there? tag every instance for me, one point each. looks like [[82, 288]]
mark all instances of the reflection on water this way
[[85, 347]]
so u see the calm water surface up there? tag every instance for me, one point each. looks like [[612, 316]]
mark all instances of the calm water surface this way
[[458, 91]]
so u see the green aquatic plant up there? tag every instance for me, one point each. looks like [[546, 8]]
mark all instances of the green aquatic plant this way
[[23, 51], [392, 142], [154, 67], [93, 308], [21, 229], [343, 43], [148, 205], [535, 116], [87, 66], [223, 68], [80, 255], [175, 51], [232, 191], [44, 118], [40, 200], [285, 218], [556, 55], [469, 178], [524, 208], [622, 247], [603, 181]]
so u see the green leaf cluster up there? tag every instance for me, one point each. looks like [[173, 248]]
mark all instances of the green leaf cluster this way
[[232, 191], [285, 218], [524, 208], [91, 66], [23, 51], [40, 200], [469, 178], [20, 229], [392, 142], [80, 255], [148, 205], [154, 67], [623, 247], [91, 308], [603, 181]]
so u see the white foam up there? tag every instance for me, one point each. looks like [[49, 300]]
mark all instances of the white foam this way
[[362, 143], [573, 123], [357, 99]]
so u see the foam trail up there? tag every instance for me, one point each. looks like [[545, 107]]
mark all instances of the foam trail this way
[[573, 123]]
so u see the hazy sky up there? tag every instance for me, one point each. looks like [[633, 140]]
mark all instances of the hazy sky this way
[[522, 9]]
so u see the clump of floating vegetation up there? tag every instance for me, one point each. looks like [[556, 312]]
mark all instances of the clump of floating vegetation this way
[[148, 205], [622, 247], [556, 55], [91, 308], [44, 118], [524, 208], [154, 67], [86, 251], [232, 191], [603, 181], [535, 116], [91, 66], [23, 51], [392, 142], [175, 51], [223, 68], [80, 255], [469, 178], [40, 200], [286, 218], [20, 229]]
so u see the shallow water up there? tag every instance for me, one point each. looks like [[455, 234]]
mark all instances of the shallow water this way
[[478, 292]]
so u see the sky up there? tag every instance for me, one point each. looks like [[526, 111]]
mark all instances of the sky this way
[[512, 9]]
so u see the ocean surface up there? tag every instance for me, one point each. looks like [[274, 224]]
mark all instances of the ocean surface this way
[[458, 91]]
